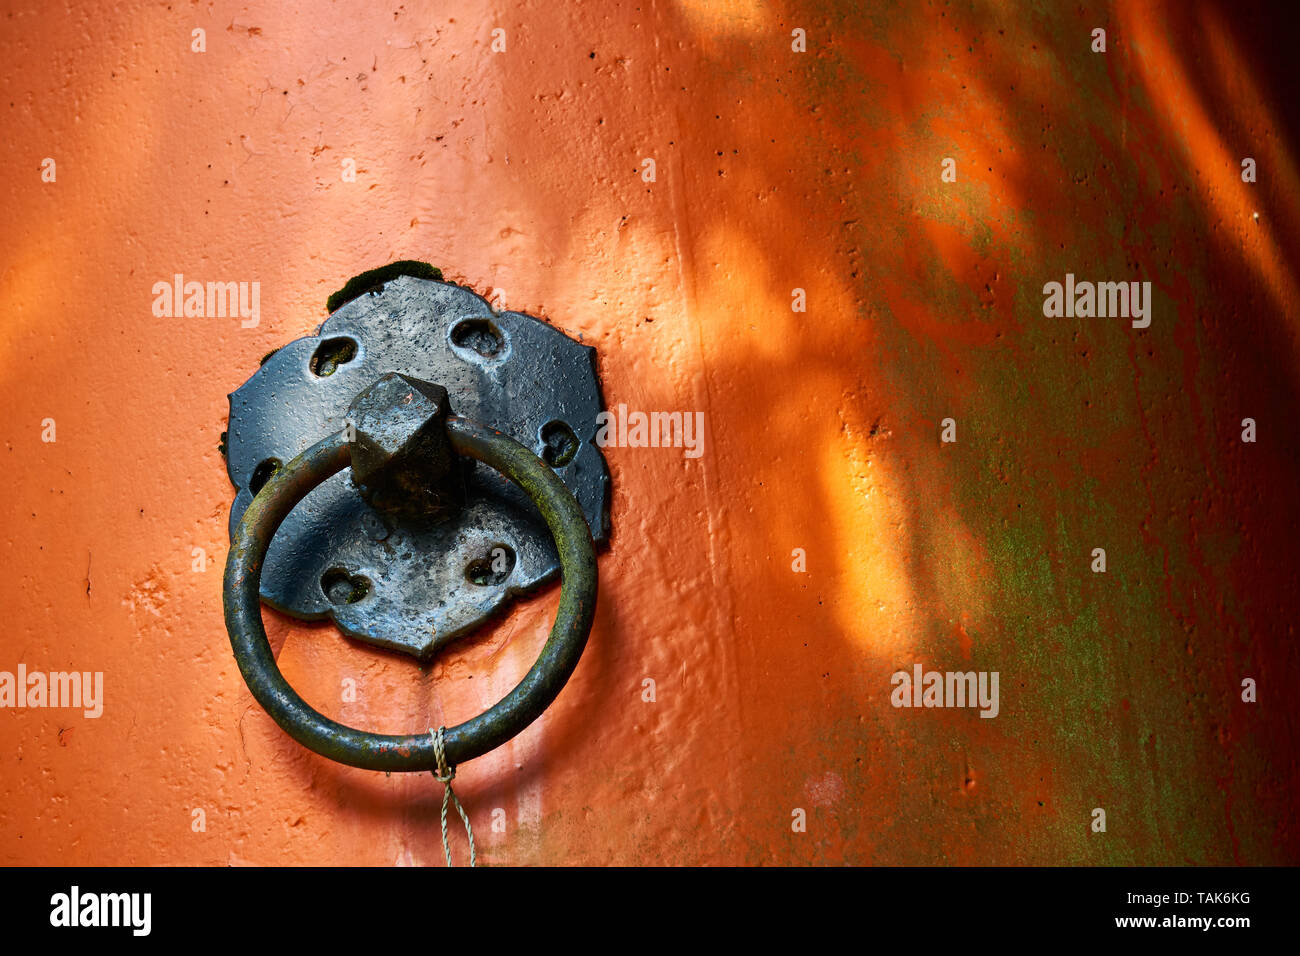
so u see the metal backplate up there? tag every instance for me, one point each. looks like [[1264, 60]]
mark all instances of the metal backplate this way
[[403, 586]]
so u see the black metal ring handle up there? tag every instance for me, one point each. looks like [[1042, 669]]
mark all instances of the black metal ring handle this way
[[475, 737]]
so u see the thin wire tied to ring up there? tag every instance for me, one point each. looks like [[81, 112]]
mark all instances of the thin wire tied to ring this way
[[445, 775]]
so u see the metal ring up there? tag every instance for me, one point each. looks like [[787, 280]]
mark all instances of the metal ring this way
[[411, 752]]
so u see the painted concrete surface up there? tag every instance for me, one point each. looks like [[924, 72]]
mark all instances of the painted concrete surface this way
[[523, 170]]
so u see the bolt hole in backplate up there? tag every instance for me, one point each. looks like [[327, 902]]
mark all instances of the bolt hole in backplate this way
[[409, 586], [263, 473], [494, 569], [559, 444], [343, 588], [480, 336], [331, 354]]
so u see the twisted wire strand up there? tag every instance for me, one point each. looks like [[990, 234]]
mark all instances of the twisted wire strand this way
[[445, 775]]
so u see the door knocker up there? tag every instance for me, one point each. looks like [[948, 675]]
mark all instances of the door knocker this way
[[417, 463]]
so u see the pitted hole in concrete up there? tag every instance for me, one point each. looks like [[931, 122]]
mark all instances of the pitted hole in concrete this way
[[478, 335], [342, 587], [493, 569], [263, 473], [559, 444], [332, 353]]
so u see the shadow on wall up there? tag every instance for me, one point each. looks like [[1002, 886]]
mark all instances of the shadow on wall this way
[[822, 173]]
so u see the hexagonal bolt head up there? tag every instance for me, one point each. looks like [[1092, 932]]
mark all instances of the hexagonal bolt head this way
[[402, 460]]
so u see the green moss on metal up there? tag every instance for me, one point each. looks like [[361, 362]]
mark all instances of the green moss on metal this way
[[374, 278]]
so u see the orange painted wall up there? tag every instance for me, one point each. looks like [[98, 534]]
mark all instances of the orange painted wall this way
[[776, 170]]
